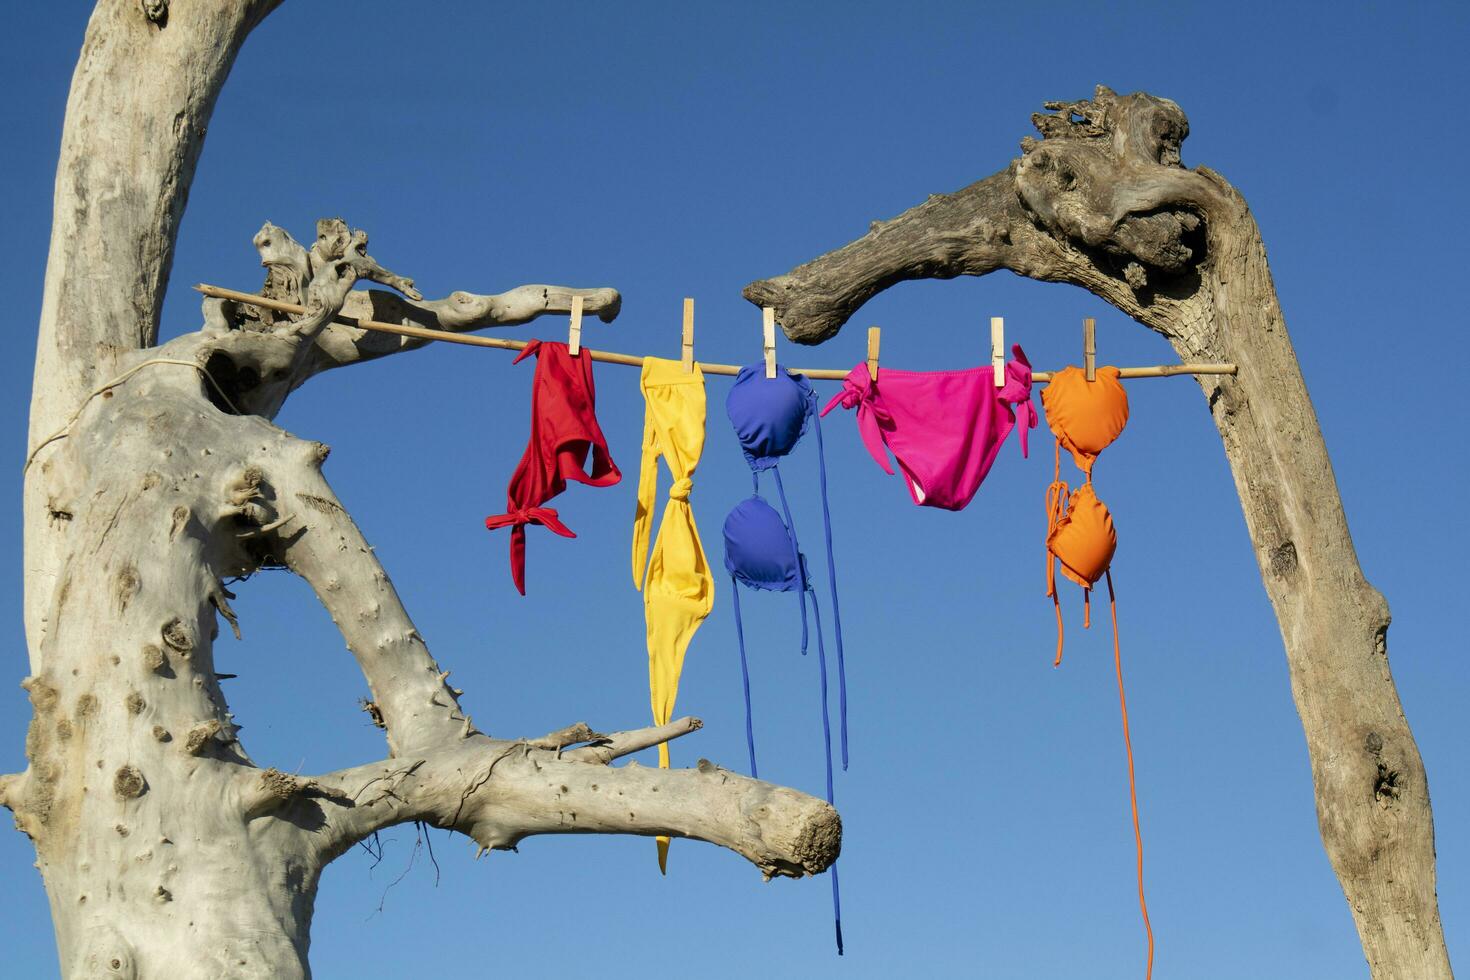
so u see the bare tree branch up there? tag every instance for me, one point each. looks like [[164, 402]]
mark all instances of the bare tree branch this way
[[290, 269], [499, 793], [342, 344], [323, 545]]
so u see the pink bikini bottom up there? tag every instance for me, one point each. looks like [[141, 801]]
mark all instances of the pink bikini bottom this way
[[944, 428]]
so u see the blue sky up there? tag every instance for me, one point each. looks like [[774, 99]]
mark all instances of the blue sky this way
[[672, 150]]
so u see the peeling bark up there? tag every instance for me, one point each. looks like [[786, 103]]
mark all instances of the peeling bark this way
[[155, 475], [1102, 201]]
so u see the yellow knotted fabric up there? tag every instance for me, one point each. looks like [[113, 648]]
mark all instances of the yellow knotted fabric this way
[[678, 589]]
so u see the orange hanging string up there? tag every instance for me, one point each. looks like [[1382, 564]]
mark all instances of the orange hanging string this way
[[1132, 785], [1056, 506], [1057, 605], [1087, 592]]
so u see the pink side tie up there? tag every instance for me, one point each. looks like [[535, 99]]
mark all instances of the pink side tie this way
[[872, 416], [1017, 394]]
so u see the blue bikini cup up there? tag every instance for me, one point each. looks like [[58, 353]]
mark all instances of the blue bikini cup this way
[[769, 414], [758, 548]]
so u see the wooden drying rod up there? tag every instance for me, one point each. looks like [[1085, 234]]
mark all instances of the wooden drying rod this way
[[612, 357]]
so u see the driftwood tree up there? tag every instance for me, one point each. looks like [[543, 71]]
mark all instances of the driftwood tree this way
[[154, 475], [1102, 201]]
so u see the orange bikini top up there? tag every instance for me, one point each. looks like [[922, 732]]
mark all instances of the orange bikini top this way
[[1086, 416]]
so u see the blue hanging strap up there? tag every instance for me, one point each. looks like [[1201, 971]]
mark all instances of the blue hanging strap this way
[[796, 553], [827, 745], [744, 676], [836, 909], [832, 580]]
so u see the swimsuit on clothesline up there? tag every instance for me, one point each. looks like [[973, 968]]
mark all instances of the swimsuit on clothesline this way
[[945, 428], [564, 430], [678, 588], [761, 550], [1086, 416]]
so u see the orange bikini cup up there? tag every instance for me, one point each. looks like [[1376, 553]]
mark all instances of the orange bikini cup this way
[[1082, 538], [1086, 416]]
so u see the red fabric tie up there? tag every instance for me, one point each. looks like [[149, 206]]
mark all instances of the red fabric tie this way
[[547, 517]]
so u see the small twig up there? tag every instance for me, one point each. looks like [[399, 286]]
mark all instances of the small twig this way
[[373, 712], [256, 532], [223, 605], [563, 737], [418, 842], [429, 842], [619, 744], [65, 430], [376, 855], [469, 727], [471, 789], [398, 774]]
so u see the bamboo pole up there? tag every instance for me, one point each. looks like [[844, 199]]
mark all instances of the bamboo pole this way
[[613, 357]]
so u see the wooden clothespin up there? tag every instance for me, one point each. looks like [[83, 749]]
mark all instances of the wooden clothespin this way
[[873, 333], [686, 356], [768, 338], [1089, 349], [998, 350], [574, 335]]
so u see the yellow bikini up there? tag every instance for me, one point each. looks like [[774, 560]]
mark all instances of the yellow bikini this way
[[678, 589]]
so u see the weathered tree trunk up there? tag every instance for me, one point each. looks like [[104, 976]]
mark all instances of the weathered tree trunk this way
[[1102, 202], [155, 474]]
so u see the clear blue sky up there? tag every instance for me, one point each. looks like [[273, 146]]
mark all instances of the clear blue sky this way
[[672, 150]]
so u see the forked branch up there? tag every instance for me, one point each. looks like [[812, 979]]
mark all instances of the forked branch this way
[[290, 269]]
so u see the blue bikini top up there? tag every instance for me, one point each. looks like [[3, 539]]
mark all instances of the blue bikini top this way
[[770, 415]]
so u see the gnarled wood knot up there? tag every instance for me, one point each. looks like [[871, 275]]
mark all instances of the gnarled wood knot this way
[[129, 783]]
